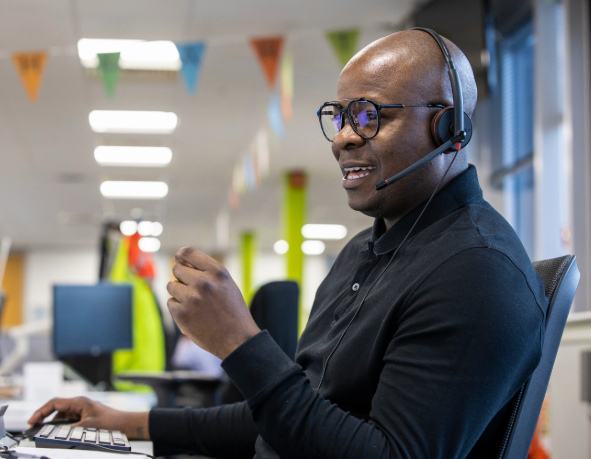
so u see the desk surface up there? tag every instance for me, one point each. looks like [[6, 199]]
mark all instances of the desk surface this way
[[145, 447], [19, 411]]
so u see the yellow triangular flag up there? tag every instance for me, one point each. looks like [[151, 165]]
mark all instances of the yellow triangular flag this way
[[30, 67]]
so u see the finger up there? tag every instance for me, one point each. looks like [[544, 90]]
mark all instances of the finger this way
[[186, 275], [195, 258], [177, 290], [173, 307], [55, 404]]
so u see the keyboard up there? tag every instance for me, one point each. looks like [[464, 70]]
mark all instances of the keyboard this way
[[67, 437]]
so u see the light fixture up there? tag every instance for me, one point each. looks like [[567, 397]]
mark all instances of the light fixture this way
[[313, 247], [146, 228], [128, 227], [132, 122], [157, 228], [149, 244], [311, 231], [281, 247], [134, 190], [133, 156], [135, 54]]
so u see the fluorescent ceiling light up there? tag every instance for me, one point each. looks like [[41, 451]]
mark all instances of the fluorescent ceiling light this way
[[313, 247], [134, 190], [132, 122], [281, 247], [133, 156], [128, 227], [149, 244], [324, 231], [146, 228], [135, 54]]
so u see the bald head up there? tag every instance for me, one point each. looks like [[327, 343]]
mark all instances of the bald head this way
[[412, 65]]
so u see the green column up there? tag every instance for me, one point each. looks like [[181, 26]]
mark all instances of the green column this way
[[294, 217], [247, 254]]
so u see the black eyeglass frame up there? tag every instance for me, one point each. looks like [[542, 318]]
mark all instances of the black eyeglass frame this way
[[363, 99]]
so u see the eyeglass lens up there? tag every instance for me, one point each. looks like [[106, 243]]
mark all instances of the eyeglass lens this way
[[364, 116]]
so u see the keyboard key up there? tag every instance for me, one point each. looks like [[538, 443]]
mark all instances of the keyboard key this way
[[90, 437], [45, 431], [77, 434], [63, 433], [104, 438]]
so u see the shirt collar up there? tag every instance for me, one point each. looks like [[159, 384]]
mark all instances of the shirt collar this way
[[461, 191]]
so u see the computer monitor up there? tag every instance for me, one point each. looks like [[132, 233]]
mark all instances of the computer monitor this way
[[89, 323]]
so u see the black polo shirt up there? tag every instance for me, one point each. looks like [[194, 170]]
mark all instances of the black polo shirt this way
[[449, 330]]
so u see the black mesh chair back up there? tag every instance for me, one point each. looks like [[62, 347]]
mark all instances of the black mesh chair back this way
[[274, 308], [560, 277]]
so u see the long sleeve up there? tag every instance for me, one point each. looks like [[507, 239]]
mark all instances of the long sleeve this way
[[226, 431], [466, 339]]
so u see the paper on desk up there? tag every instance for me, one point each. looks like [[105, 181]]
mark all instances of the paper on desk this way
[[58, 453]]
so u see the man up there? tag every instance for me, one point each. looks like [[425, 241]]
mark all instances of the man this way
[[419, 336]]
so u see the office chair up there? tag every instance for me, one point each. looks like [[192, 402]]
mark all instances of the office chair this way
[[274, 308], [560, 277]]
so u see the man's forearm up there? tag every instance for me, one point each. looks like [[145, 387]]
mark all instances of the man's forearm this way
[[136, 426]]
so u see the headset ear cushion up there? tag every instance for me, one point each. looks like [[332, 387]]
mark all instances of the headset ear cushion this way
[[442, 126]]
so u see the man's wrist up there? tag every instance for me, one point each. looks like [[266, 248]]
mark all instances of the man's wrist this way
[[136, 426]]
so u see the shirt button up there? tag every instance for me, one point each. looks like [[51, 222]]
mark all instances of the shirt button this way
[[355, 287]]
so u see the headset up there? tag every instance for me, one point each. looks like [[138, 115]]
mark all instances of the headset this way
[[448, 126], [450, 130]]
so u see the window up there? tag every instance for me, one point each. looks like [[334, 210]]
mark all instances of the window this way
[[517, 100]]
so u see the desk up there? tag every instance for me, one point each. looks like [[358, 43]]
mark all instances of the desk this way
[[20, 411], [145, 447]]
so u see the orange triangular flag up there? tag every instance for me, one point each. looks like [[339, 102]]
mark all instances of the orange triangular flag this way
[[268, 51], [30, 67]]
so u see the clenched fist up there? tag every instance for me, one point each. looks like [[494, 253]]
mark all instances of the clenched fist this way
[[207, 305]]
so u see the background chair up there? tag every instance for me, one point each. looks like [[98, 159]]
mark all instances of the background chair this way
[[274, 308], [560, 277]]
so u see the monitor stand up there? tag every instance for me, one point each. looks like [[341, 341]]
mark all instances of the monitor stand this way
[[94, 369]]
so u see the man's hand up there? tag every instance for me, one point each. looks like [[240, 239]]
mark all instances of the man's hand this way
[[207, 305], [94, 414]]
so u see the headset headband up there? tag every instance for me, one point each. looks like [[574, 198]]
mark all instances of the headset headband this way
[[456, 87]]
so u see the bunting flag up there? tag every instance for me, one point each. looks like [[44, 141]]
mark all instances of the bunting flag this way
[[191, 55], [274, 115], [268, 51], [344, 44], [249, 173], [30, 67], [233, 199], [109, 70], [262, 151], [287, 86]]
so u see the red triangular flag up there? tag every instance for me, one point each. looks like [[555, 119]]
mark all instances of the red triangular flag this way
[[268, 51]]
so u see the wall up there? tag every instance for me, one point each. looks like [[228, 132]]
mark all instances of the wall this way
[[45, 267], [570, 429], [12, 285]]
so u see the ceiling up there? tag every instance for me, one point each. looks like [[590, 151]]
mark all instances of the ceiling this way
[[49, 181]]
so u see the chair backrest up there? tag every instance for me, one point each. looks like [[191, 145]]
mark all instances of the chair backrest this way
[[560, 277], [275, 308]]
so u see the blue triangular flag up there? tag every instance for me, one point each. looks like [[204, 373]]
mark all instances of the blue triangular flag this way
[[275, 116], [191, 55]]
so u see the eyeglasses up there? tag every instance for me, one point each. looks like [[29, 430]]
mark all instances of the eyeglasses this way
[[363, 114]]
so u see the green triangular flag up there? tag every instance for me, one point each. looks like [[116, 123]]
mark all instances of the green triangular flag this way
[[344, 43], [109, 70]]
